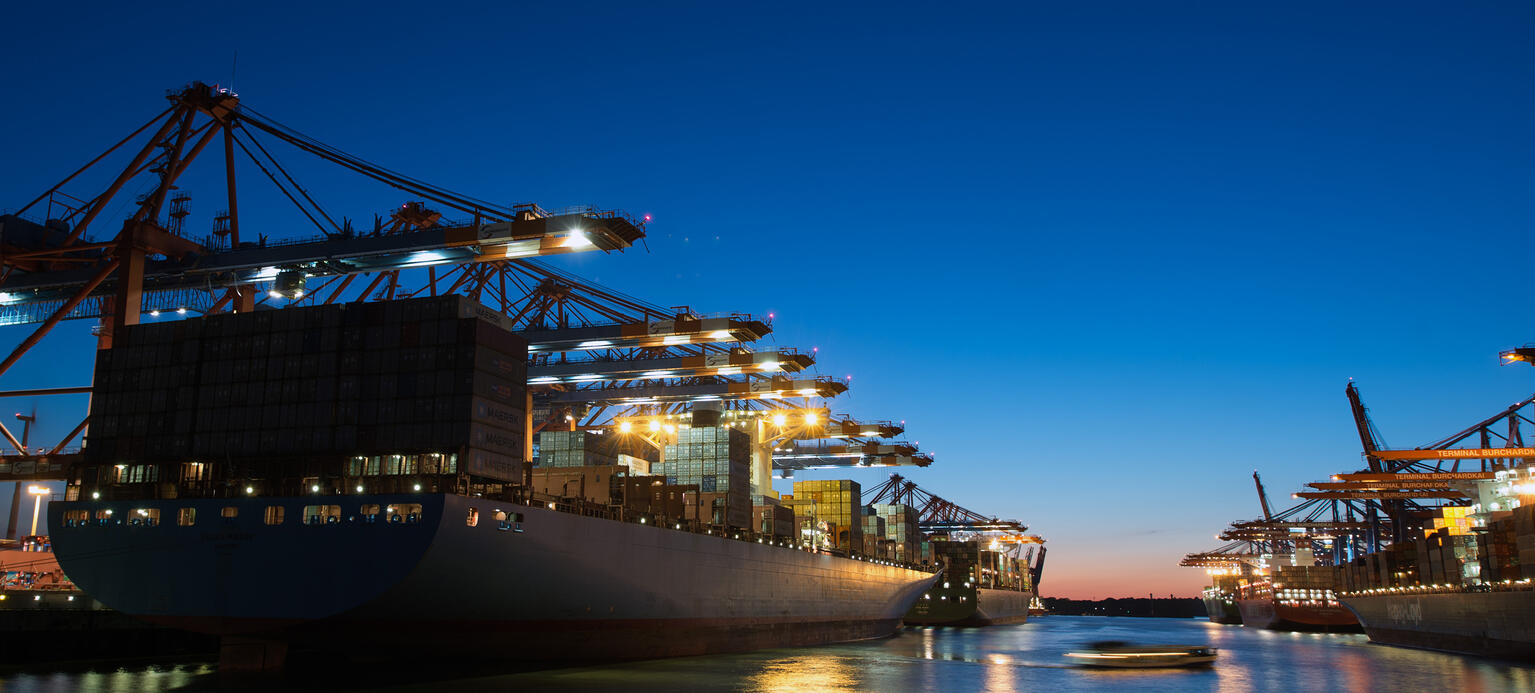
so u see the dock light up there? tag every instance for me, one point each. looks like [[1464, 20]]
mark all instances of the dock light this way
[[769, 365], [811, 419], [1525, 353], [577, 239], [315, 488], [249, 490], [359, 488], [417, 487], [670, 428], [37, 502], [625, 427], [779, 419], [95, 495], [655, 426], [154, 314], [181, 311], [289, 283], [642, 520]]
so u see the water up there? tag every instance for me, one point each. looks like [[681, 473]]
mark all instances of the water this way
[[1001, 659]]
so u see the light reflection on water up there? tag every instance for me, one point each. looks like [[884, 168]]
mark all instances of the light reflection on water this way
[[1005, 659], [128, 679]]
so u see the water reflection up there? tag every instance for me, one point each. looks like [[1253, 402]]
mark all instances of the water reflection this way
[[160, 677], [1000, 674], [817, 672], [1007, 659]]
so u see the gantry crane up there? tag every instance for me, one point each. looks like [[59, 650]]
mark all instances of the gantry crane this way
[[62, 267], [596, 355], [940, 517], [1400, 482]]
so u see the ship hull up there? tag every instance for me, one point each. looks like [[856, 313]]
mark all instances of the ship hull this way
[[1222, 610], [980, 607], [1489, 624], [552, 586], [1271, 615]]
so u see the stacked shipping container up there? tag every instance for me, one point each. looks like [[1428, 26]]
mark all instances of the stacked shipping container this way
[[575, 449], [901, 528], [404, 384], [775, 521], [838, 503], [717, 459]]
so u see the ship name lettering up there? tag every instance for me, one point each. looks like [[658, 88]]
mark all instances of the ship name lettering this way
[[1405, 613]]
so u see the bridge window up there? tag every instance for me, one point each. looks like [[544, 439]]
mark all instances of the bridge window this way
[[404, 512], [186, 517], [370, 512], [192, 471], [362, 466], [136, 473], [76, 518], [322, 514], [274, 514], [506, 521], [474, 517], [230, 511]]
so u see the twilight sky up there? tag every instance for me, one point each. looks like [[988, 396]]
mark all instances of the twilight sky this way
[[1105, 261]]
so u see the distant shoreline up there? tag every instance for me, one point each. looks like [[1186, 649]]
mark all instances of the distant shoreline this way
[[1135, 607]]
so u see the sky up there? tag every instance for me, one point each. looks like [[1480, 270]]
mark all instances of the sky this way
[[1105, 259]]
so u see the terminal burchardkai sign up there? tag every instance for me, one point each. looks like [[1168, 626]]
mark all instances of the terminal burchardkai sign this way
[[1414, 476], [1453, 454]]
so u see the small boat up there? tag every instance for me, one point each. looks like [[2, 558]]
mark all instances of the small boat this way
[[1121, 655]]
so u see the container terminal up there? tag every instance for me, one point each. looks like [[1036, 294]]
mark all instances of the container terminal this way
[[456, 441], [1431, 547]]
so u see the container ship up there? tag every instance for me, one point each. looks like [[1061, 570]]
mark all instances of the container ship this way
[[352, 479], [1221, 600], [981, 585], [1463, 586], [1296, 598]]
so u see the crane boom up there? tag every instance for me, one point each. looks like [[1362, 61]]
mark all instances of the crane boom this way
[[1262, 497]]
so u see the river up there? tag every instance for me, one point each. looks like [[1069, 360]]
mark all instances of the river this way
[[1003, 659]]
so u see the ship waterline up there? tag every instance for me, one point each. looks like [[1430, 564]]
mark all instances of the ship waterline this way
[[960, 606], [507, 581], [1489, 624]]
